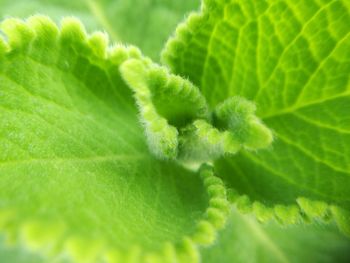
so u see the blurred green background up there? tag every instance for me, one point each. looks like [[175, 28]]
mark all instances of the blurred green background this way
[[144, 23]]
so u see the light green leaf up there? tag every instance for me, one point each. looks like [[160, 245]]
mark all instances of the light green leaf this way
[[145, 23], [177, 121], [247, 241], [166, 103], [76, 176], [292, 58], [238, 115], [303, 211]]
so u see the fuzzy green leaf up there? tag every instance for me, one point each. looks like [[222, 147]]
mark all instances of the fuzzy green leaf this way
[[238, 116], [177, 121], [292, 58], [76, 176], [145, 23], [246, 240], [166, 103]]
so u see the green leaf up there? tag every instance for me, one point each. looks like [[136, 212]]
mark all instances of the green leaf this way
[[238, 115], [245, 240], [292, 58], [76, 176], [166, 103], [177, 121], [303, 211], [145, 23]]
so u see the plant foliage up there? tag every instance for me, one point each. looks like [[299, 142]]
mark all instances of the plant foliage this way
[[235, 148]]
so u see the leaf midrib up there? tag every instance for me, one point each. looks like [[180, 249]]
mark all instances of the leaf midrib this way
[[288, 179], [299, 107], [308, 153]]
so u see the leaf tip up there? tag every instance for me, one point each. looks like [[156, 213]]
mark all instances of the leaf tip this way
[[45, 29], [72, 30], [118, 54], [98, 43], [237, 115]]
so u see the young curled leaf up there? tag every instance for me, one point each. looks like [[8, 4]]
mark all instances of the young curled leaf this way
[[237, 115], [177, 121], [166, 103], [292, 60]]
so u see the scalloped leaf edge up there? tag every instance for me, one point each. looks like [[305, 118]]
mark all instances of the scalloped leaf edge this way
[[48, 237], [305, 210], [184, 31]]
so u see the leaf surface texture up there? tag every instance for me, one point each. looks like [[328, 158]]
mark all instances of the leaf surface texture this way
[[292, 58], [76, 174], [145, 23]]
